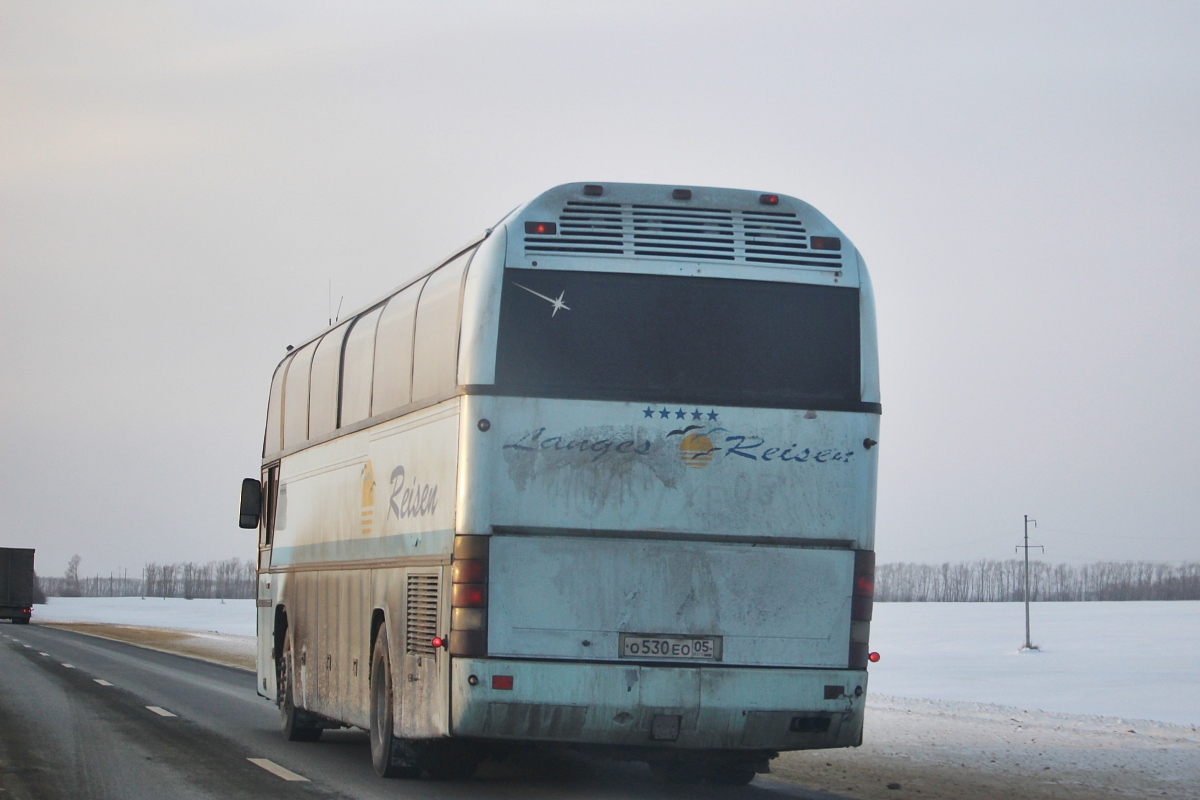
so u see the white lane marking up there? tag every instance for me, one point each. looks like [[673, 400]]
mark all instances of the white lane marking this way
[[27, 647], [275, 769], [69, 666], [162, 712], [102, 682], [47, 655]]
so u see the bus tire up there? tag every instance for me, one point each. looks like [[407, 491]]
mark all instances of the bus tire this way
[[295, 723], [390, 756]]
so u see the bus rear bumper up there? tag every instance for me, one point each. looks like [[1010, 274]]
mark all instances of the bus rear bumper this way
[[685, 707]]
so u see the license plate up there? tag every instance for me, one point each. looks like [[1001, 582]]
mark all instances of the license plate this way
[[673, 646]]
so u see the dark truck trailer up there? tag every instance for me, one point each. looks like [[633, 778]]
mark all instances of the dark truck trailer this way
[[16, 584]]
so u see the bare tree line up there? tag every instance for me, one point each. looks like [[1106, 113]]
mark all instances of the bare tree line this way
[[990, 581], [232, 578]]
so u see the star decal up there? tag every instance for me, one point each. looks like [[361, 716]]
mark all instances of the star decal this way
[[648, 411], [680, 414], [664, 413], [558, 304], [712, 415], [696, 414]]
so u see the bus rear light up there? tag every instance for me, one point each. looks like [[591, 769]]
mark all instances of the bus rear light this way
[[541, 228], [769, 199], [874, 657], [468, 596], [825, 243], [859, 655], [468, 619], [863, 594], [502, 682], [468, 571]]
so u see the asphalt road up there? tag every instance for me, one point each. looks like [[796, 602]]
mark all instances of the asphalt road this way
[[82, 717]]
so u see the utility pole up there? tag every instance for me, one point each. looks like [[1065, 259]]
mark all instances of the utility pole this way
[[1028, 643]]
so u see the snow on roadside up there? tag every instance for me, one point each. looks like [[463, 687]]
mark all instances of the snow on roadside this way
[[233, 617]]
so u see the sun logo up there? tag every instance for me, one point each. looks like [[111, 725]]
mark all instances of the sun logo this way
[[368, 498], [695, 448]]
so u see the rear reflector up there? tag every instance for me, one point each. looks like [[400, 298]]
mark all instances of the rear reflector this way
[[502, 682]]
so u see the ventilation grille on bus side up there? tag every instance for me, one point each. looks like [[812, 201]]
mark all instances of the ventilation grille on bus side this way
[[708, 234], [422, 614]]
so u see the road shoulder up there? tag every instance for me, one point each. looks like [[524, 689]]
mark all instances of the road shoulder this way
[[217, 648]]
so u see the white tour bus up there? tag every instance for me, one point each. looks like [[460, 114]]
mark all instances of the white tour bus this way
[[605, 478]]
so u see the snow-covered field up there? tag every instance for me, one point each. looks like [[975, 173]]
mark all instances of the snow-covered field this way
[[1130, 660], [234, 617], [1135, 660]]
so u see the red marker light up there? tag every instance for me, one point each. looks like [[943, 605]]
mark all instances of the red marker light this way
[[874, 657], [502, 682], [438, 642], [769, 199], [544, 228], [825, 243]]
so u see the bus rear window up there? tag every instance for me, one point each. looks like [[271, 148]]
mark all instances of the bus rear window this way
[[661, 338]]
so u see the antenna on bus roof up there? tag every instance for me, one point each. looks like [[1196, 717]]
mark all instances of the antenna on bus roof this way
[[329, 303]]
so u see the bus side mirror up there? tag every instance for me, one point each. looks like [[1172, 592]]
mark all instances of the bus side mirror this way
[[251, 503]]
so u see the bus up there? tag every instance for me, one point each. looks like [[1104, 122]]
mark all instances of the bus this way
[[603, 479]]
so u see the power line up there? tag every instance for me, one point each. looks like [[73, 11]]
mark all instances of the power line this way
[[1028, 644]]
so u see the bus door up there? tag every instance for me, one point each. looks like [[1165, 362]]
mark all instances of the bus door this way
[[266, 590]]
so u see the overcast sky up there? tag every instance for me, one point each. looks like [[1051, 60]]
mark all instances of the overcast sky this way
[[181, 181]]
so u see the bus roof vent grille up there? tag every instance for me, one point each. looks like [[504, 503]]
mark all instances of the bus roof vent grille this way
[[625, 230], [422, 613]]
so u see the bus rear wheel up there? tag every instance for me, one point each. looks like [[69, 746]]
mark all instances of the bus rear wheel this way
[[295, 723], [389, 755]]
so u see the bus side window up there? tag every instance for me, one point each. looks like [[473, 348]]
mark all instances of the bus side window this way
[[273, 442], [323, 384], [295, 398], [357, 366], [393, 351], [435, 353]]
